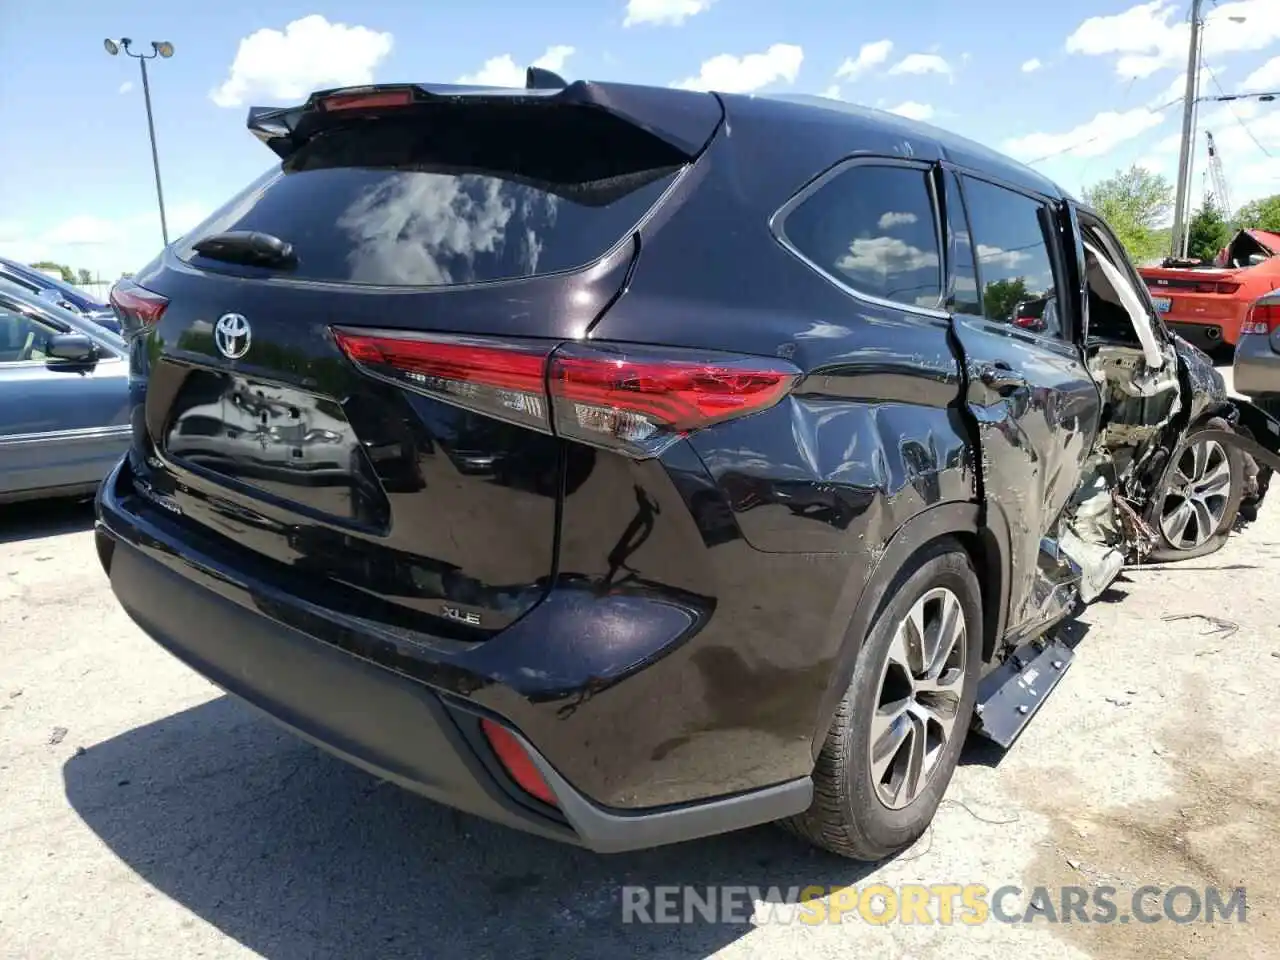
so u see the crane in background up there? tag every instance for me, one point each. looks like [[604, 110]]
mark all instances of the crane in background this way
[[1222, 199]]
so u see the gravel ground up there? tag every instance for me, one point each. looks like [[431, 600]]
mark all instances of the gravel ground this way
[[146, 815]]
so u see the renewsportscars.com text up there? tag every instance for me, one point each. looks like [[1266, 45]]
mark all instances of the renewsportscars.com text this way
[[928, 904]]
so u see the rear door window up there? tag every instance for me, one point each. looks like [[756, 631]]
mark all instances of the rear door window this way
[[1011, 243], [872, 228], [442, 198]]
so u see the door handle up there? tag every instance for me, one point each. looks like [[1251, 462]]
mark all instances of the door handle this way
[[1001, 378]]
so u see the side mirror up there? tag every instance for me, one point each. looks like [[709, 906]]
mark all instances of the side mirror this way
[[71, 348]]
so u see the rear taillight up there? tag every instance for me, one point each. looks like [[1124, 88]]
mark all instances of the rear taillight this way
[[1222, 287], [516, 761], [136, 305], [504, 380], [641, 399], [638, 400], [1264, 318]]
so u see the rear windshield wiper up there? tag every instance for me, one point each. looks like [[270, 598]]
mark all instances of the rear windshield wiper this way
[[249, 247]]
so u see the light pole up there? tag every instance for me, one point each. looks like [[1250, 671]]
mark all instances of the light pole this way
[[159, 48]]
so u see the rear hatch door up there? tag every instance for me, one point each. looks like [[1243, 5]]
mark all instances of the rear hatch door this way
[[425, 504]]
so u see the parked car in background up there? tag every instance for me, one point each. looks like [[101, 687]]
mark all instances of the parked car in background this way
[[59, 292], [64, 398], [1207, 303], [1257, 363], [732, 452]]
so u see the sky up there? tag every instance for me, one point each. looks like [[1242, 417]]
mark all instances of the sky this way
[[1077, 89]]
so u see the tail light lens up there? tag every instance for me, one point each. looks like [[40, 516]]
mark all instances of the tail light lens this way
[[136, 305], [1222, 287], [644, 400], [516, 761], [635, 400], [1264, 318], [503, 380]]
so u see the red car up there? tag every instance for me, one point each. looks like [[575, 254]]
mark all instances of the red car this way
[[1207, 303]]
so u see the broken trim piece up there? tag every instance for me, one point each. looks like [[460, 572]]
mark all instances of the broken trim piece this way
[[1133, 305]]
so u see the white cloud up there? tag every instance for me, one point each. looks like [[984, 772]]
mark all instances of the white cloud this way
[[870, 55], [891, 219], [1099, 136], [1250, 172], [1266, 77], [663, 12], [995, 256], [502, 71], [912, 110], [1154, 36], [921, 63], [729, 74], [1032, 65], [832, 92], [125, 87], [310, 54], [105, 246]]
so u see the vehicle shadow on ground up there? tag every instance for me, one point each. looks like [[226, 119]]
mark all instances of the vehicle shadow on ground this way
[[294, 854], [44, 518]]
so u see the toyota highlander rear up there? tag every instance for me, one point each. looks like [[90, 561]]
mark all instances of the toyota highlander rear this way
[[363, 393]]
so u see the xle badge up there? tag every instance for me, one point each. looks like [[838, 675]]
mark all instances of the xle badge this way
[[453, 613]]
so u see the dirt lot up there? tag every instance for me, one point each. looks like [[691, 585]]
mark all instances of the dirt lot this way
[[145, 815]]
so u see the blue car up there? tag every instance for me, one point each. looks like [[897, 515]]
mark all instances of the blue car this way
[[59, 292], [64, 398]]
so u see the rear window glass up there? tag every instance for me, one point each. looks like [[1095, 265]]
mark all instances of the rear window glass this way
[[437, 199]]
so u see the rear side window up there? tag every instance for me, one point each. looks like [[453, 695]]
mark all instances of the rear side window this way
[[872, 228], [448, 196], [1011, 234]]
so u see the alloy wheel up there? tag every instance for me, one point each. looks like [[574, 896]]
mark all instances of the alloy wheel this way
[[919, 696], [1197, 499]]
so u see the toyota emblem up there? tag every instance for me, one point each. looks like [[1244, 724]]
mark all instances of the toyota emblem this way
[[231, 335]]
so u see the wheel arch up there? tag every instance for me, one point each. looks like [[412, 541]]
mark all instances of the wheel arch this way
[[984, 537]]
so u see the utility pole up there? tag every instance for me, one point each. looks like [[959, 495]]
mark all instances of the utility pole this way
[[1178, 247]]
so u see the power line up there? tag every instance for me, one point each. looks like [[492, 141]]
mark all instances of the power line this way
[[1085, 143], [1231, 106]]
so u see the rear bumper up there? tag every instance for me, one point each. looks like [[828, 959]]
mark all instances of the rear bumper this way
[[1208, 335], [399, 728], [1257, 366]]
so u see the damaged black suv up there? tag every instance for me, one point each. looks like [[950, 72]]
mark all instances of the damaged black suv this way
[[629, 464]]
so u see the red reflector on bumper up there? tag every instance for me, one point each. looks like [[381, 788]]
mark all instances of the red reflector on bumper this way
[[516, 761]]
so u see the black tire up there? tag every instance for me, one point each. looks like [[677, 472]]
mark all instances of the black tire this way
[[847, 816], [1167, 551]]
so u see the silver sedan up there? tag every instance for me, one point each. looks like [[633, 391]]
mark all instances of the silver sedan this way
[[64, 399], [1257, 364]]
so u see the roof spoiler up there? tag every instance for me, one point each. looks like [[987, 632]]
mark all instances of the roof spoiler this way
[[539, 78], [683, 119]]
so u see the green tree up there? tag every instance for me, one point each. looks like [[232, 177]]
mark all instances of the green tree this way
[[1261, 214], [1208, 232], [1135, 203], [84, 276], [62, 269], [1000, 297]]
